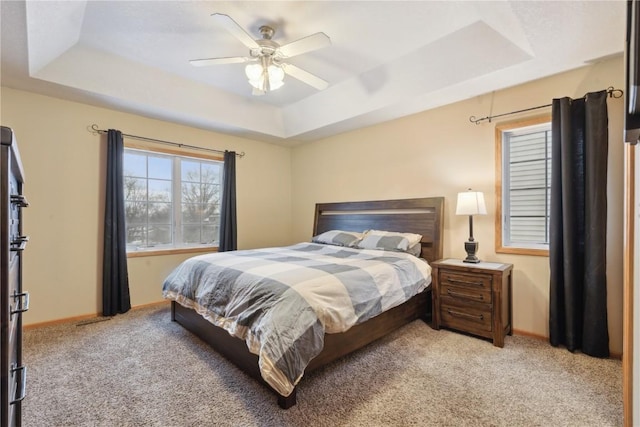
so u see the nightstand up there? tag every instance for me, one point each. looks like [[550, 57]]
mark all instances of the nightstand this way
[[473, 298]]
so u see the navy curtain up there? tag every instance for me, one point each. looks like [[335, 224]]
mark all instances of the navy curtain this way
[[228, 223], [115, 280], [578, 225]]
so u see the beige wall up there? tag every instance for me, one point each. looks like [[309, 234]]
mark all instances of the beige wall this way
[[65, 183], [439, 153], [434, 153]]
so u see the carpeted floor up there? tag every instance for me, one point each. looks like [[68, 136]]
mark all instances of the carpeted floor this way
[[141, 369]]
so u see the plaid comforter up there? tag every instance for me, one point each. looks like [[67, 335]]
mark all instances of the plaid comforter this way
[[281, 301]]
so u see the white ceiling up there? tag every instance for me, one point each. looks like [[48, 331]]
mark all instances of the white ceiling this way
[[387, 59]]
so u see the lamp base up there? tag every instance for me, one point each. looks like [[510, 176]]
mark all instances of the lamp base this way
[[472, 249]]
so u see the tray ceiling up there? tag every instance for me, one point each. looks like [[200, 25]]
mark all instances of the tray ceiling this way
[[387, 58]]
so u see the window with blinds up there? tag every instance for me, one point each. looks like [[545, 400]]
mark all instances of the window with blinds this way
[[525, 151]]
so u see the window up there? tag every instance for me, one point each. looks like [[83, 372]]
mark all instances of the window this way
[[523, 187], [171, 201]]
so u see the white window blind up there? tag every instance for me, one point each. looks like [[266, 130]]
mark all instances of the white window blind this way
[[526, 161]]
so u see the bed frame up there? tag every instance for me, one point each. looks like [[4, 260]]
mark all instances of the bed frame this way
[[423, 216]]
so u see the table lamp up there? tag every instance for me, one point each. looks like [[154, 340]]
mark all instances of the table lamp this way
[[471, 203]]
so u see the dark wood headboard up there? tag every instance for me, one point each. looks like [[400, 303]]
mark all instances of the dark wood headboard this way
[[421, 216]]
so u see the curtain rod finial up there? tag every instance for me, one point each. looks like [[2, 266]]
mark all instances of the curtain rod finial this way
[[94, 129], [614, 93]]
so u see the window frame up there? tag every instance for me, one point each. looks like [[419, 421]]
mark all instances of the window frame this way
[[499, 130], [183, 152]]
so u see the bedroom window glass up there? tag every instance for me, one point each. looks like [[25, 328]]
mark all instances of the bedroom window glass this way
[[524, 186], [171, 201]]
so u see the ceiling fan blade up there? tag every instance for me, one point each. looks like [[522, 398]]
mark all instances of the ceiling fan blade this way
[[305, 76], [215, 61], [306, 44], [235, 29]]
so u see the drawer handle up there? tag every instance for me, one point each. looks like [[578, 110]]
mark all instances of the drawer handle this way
[[23, 302], [465, 315], [19, 243], [20, 200], [479, 297], [23, 384], [464, 282]]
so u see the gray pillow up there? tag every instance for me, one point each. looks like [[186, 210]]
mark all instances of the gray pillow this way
[[338, 238], [389, 241], [415, 249]]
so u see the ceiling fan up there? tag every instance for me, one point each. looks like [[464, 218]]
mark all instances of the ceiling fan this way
[[267, 66]]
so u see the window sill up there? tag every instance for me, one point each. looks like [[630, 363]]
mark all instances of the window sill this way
[[523, 251], [174, 251]]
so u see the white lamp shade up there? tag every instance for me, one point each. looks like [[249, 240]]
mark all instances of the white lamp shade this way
[[276, 74], [258, 78], [253, 71], [471, 203]]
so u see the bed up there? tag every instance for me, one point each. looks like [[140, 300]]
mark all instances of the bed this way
[[423, 216]]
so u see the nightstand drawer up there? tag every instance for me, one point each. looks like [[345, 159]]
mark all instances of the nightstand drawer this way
[[465, 280], [460, 295], [466, 318]]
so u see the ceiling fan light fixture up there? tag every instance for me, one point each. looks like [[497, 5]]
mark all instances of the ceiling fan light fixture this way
[[276, 75], [266, 57], [253, 71], [267, 81]]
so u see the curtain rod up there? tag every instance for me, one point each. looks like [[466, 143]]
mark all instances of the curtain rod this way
[[97, 130], [611, 91]]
